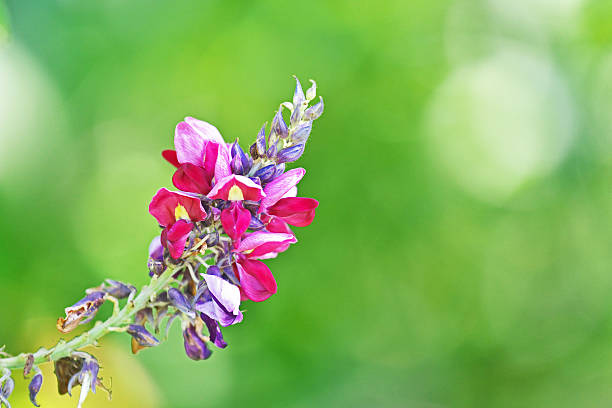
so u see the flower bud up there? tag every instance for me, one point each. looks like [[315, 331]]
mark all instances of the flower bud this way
[[212, 239], [278, 124], [271, 153], [236, 166], [256, 224], [298, 94], [302, 132], [280, 169], [314, 111], [34, 388], [266, 173], [312, 91], [258, 148], [290, 154], [28, 365], [180, 302]]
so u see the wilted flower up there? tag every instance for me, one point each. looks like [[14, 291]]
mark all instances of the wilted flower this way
[[195, 342], [81, 312], [141, 338], [80, 369], [34, 387]]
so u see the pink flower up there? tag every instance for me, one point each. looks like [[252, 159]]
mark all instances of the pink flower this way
[[176, 212], [200, 143], [256, 281], [236, 188], [280, 206]]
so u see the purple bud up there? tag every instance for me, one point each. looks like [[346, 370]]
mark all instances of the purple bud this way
[[141, 338], [258, 148], [180, 302], [236, 165], [280, 169], [312, 91], [301, 134], [298, 94], [245, 160], [117, 289], [271, 153], [266, 173], [255, 224], [278, 124], [212, 239], [34, 388], [290, 154], [314, 111], [195, 343]]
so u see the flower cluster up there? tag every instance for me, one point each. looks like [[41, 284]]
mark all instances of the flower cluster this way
[[231, 210]]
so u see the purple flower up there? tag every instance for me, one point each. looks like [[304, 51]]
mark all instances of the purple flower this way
[[214, 331], [221, 301], [180, 302], [81, 312], [195, 342]]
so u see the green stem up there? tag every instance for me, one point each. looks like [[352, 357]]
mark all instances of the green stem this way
[[90, 337]]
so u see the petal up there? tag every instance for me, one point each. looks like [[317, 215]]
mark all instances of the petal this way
[[191, 178], [214, 332], [235, 220], [205, 129], [280, 186], [175, 237], [297, 211], [260, 244], [165, 202], [249, 189], [189, 144], [225, 293], [170, 156], [256, 280], [223, 163], [275, 224]]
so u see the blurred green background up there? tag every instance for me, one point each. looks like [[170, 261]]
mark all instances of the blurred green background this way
[[461, 253]]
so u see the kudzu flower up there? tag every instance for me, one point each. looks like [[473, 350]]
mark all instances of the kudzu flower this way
[[231, 211]]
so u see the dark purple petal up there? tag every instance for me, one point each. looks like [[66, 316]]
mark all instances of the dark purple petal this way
[[214, 331], [195, 344], [256, 224]]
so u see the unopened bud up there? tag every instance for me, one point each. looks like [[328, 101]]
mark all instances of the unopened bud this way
[[290, 154]]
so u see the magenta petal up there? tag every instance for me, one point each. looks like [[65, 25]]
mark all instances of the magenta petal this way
[[280, 186], [223, 163], [235, 220], [189, 144], [210, 157], [189, 177], [256, 280], [250, 190], [275, 224], [297, 211], [176, 236], [165, 202], [170, 156]]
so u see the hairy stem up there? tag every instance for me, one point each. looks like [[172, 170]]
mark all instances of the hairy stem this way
[[90, 337]]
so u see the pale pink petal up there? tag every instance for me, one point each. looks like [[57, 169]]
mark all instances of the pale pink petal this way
[[208, 131]]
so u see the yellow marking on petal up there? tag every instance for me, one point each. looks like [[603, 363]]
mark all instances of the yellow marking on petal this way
[[235, 194], [180, 213]]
